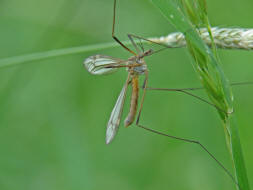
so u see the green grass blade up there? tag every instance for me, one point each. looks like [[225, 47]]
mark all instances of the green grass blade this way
[[11, 61], [237, 155], [211, 74]]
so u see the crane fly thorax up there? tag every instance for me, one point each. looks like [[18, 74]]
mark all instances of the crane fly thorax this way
[[137, 70]]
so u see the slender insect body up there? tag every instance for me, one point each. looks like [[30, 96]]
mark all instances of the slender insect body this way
[[134, 101], [135, 72]]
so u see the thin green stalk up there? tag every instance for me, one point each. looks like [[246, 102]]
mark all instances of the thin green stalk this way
[[11, 61], [188, 16]]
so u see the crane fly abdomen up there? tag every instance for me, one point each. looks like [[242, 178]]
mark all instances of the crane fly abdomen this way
[[134, 102]]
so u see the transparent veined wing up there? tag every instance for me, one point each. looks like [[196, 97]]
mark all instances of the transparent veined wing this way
[[114, 121], [98, 64]]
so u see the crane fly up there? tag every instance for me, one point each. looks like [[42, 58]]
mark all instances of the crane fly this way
[[136, 67]]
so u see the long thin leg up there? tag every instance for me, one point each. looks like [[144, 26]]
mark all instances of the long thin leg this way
[[194, 142], [150, 41], [134, 44], [178, 138], [113, 29], [143, 96], [142, 38], [201, 88], [190, 94], [141, 45]]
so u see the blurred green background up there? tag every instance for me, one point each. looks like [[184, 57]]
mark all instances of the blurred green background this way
[[53, 114]]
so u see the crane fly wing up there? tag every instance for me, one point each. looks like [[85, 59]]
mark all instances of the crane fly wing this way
[[114, 121], [99, 64]]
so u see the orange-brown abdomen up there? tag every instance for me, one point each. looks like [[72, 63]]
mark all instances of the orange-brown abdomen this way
[[134, 102]]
